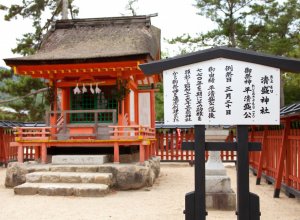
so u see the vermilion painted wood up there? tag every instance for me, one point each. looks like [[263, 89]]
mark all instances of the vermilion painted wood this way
[[262, 154], [282, 157], [125, 135], [269, 164]]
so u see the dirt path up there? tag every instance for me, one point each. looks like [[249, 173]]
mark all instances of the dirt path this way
[[164, 201]]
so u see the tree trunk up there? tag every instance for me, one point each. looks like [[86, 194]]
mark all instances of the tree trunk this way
[[64, 15]]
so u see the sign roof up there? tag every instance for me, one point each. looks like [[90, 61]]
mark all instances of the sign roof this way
[[283, 63]]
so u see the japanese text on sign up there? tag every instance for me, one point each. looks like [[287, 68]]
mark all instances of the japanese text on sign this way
[[222, 91]]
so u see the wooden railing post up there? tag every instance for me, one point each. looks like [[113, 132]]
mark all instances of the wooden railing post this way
[[262, 155], [162, 144], [96, 123], [20, 153], [282, 157], [167, 146], [172, 143], [65, 122]]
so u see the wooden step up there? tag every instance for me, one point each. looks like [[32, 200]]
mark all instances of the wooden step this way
[[63, 189], [69, 177]]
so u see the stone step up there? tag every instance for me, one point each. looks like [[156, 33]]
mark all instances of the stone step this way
[[69, 177], [79, 159], [82, 168], [63, 189]]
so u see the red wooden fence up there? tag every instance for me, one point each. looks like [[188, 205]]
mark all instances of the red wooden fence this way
[[8, 153], [168, 146], [279, 160]]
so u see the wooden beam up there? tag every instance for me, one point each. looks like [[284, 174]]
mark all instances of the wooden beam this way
[[74, 83]]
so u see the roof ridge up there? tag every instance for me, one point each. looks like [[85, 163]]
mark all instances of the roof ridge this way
[[70, 23]]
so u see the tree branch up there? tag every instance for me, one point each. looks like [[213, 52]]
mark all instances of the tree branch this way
[[21, 97]]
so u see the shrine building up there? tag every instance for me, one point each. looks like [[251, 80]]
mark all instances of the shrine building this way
[[100, 99]]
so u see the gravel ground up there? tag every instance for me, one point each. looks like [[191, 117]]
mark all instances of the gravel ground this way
[[163, 201]]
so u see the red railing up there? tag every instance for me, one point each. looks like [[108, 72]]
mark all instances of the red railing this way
[[279, 159], [131, 132], [9, 148], [6, 153], [168, 146]]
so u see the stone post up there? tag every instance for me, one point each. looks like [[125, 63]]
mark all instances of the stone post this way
[[219, 194]]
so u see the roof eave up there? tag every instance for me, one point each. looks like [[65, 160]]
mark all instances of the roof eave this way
[[283, 63], [16, 61]]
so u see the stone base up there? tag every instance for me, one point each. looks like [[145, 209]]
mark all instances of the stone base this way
[[121, 176], [221, 201], [217, 184], [79, 159]]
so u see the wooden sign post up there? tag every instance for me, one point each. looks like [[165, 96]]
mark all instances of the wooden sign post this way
[[221, 86], [247, 203]]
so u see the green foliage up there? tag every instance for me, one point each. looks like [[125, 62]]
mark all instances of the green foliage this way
[[275, 29], [269, 26], [258, 25], [29, 108], [121, 90], [4, 74], [159, 102], [35, 10], [291, 88]]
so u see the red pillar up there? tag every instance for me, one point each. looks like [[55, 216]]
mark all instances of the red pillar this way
[[147, 152], [20, 153], [44, 153], [121, 112], [142, 153], [116, 153], [36, 153], [53, 116]]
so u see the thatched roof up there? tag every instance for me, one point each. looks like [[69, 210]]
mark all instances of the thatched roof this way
[[84, 39]]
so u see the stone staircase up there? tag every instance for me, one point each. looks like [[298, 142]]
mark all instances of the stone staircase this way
[[80, 175], [83, 179]]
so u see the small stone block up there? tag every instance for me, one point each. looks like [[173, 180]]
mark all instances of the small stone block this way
[[105, 178], [55, 190], [33, 178], [70, 178], [26, 189], [51, 178], [79, 159], [91, 190], [63, 169]]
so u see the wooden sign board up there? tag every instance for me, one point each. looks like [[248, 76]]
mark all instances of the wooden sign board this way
[[222, 92]]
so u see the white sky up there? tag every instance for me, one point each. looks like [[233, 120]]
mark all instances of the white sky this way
[[175, 17]]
